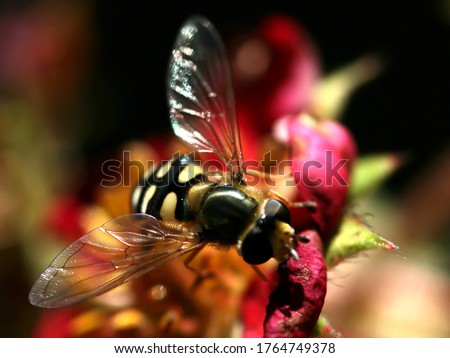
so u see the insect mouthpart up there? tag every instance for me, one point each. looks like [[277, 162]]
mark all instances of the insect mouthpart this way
[[269, 236]]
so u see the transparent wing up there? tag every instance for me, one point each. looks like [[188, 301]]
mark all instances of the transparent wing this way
[[120, 250], [200, 94]]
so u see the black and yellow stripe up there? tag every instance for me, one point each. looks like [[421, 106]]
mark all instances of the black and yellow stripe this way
[[163, 193]]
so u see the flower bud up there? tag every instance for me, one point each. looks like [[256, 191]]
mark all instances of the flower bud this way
[[322, 153]]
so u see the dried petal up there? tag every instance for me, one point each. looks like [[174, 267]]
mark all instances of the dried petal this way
[[295, 305]]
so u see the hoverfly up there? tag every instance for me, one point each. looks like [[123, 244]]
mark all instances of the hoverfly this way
[[177, 209]]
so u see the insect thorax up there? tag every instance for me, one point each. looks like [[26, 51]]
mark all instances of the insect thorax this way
[[225, 212]]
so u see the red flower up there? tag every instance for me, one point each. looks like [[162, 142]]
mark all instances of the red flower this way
[[55, 324], [274, 68], [64, 218]]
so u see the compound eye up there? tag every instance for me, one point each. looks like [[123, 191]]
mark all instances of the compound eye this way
[[277, 210], [255, 247]]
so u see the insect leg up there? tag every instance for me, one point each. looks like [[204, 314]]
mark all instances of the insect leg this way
[[168, 321], [265, 175], [300, 238], [310, 205], [262, 275], [201, 275]]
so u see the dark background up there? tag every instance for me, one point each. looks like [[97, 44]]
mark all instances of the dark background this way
[[405, 110]]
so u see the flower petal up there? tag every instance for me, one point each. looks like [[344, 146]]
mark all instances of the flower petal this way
[[295, 305], [322, 156]]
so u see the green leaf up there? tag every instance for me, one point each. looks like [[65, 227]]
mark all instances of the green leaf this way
[[370, 171], [323, 329], [354, 236], [333, 92]]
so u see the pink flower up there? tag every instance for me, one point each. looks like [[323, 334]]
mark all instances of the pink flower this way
[[322, 154]]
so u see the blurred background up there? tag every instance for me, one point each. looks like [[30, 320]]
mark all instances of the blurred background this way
[[80, 79]]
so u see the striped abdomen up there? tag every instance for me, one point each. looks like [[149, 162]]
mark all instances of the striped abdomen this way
[[163, 193]]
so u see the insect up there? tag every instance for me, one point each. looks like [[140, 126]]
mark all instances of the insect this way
[[177, 208]]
